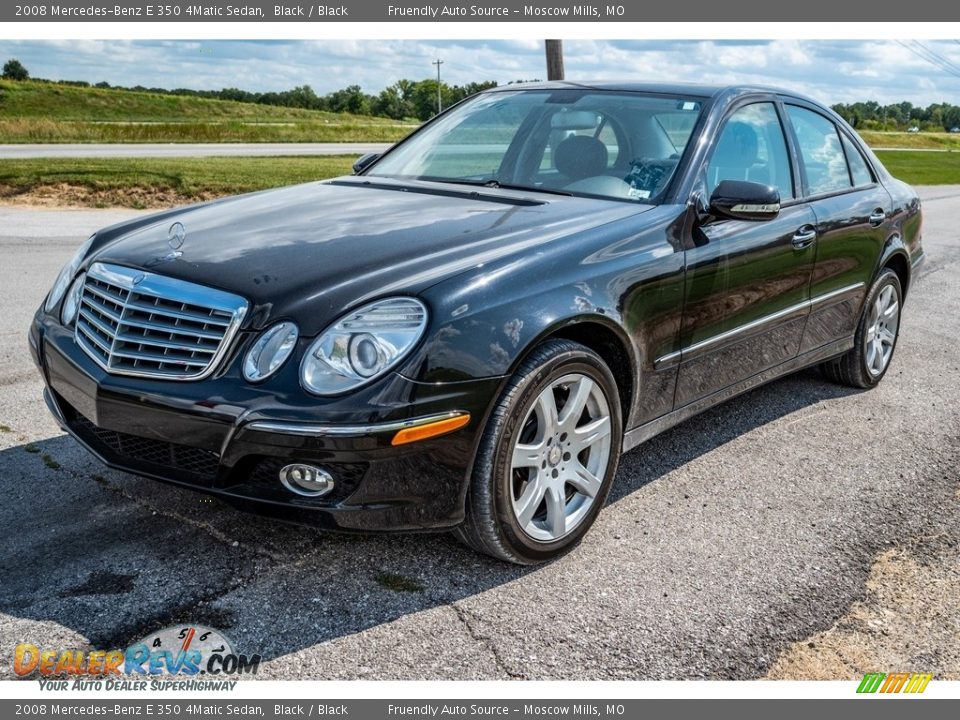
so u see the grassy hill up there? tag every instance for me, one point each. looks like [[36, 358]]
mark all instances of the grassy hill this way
[[163, 182], [155, 182], [37, 112], [912, 141]]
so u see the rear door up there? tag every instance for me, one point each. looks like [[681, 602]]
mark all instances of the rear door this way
[[853, 214], [747, 282]]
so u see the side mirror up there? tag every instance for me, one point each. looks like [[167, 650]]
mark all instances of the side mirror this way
[[365, 161], [745, 200]]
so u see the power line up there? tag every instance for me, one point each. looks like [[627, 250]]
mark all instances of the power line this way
[[931, 57], [945, 61]]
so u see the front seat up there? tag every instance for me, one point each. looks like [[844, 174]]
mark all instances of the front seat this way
[[580, 156]]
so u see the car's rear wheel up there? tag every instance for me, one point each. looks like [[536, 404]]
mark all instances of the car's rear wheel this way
[[547, 457], [867, 362]]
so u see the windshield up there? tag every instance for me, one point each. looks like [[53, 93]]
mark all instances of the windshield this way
[[617, 145]]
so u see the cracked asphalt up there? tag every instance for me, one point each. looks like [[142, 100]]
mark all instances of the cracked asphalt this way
[[725, 541]]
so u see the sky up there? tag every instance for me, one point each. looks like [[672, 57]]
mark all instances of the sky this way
[[829, 70]]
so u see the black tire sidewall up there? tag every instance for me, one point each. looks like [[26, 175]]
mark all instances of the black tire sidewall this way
[[887, 277], [564, 363]]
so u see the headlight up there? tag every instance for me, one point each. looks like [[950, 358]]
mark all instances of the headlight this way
[[363, 345], [62, 282], [270, 351], [72, 302]]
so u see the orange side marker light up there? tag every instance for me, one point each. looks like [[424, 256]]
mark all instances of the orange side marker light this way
[[429, 430]]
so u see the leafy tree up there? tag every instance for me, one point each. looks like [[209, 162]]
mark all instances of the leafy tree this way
[[350, 100], [871, 115], [392, 102], [13, 69], [424, 98]]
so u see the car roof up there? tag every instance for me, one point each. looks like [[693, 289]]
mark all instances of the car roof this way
[[701, 90]]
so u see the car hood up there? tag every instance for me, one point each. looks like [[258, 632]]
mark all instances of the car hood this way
[[310, 252]]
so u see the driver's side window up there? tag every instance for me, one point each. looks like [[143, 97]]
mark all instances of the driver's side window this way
[[752, 147]]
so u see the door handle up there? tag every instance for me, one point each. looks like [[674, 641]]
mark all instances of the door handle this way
[[877, 217], [804, 237]]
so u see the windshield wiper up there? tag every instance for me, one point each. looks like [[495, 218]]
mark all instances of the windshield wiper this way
[[496, 184]]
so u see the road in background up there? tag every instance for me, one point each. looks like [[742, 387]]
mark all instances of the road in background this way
[[725, 541], [136, 150]]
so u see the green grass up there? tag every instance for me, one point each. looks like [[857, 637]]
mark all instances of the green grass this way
[[923, 168], [162, 182], [912, 141], [152, 182], [32, 112], [232, 131]]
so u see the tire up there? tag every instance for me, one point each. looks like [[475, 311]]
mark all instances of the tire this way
[[868, 361], [542, 475]]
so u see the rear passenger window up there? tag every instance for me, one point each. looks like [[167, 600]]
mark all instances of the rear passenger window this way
[[821, 151], [859, 170]]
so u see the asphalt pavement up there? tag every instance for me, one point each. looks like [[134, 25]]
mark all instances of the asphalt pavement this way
[[149, 150], [724, 541]]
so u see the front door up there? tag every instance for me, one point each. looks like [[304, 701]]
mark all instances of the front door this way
[[747, 283]]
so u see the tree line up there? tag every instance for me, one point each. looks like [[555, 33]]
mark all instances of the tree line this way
[[404, 100], [872, 115], [417, 100]]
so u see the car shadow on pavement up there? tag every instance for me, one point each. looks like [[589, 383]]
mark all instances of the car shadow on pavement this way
[[721, 424], [100, 557]]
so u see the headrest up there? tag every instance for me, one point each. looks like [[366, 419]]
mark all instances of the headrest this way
[[580, 156]]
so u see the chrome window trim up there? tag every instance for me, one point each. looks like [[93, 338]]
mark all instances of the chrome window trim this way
[[170, 288], [703, 346]]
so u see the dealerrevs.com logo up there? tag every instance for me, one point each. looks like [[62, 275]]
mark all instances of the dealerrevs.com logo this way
[[191, 657]]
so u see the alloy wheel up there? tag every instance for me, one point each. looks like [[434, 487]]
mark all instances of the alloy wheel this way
[[881, 331], [560, 457]]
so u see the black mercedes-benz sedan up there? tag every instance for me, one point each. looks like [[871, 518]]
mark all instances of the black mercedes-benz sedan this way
[[467, 332]]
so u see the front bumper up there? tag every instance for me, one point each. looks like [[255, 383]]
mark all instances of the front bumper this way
[[228, 438]]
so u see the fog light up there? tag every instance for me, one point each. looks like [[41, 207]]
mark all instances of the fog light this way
[[307, 480]]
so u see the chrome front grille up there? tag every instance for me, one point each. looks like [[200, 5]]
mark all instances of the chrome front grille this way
[[138, 323]]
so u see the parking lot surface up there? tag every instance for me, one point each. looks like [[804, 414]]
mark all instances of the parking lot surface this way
[[726, 544]]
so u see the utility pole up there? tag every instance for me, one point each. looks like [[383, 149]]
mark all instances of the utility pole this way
[[438, 62], [554, 49]]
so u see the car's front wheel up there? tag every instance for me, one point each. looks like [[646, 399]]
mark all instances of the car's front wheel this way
[[547, 457]]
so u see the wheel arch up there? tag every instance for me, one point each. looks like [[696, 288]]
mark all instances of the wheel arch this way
[[604, 337], [900, 264]]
